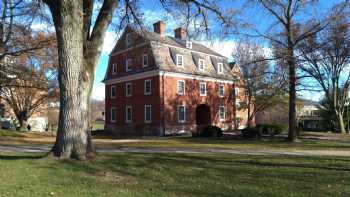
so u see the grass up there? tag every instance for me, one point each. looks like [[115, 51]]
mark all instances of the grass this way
[[8, 133], [98, 125], [270, 144], [128, 174], [341, 143]]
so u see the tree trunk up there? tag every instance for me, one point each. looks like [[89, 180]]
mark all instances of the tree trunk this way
[[72, 138], [249, 119], [22, 124], [292, 135], [22, 121], [78, 50], [341, 123]]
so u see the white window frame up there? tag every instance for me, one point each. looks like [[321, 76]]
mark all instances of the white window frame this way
[[128, 63], [128, 94], [111, 115], [177, 60], [113, 87], [177, 87], [220, 68], [150, 113], [201, 64], [237, 91], [205, 88], [178, 114], [144, 57], [188, 44], [223, 90], [150, 87], [128, 39], [126, 114], [220, 107], [114, 68]]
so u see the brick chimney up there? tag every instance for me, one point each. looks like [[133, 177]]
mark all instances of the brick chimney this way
[[159, 27], [180, 33]]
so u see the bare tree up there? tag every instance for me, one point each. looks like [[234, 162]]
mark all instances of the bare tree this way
[[32, 81], [326, 59], [289, 27], [16, 20], [264, 84]]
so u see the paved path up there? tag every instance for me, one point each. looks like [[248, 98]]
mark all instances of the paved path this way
[[45, 148]]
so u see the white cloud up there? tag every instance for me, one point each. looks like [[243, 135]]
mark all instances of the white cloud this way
[[109, 41], [98, 91], [223, 47], [43, 27]]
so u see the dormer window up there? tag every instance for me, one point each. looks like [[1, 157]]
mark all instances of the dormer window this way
[[114, 68], [188, 44], [201, 64], [128, 64], [128, 39], [219, 68], [144, 60], [179, 60]]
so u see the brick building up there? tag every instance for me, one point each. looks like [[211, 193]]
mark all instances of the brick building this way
[[159, 85]]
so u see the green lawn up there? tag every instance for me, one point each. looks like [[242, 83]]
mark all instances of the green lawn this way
[[10, 133], [175, 175], [268, 144]]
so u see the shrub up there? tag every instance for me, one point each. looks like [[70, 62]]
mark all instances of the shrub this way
[[211, 131], [278, 128], [270, 129], [250, 132]]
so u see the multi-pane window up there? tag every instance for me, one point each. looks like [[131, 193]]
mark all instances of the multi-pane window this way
[[128, 89], [188, 44], [144, 60], [221, 90], [113, 91], [147, 87], [181, 113], [179, 60], [128, 64], [202, 89], [181, 87], [113, 114], [222, 113], [128, 114], [114, 68], [148, 113], [237, 93], [128, 39], [220, 68], [201, 64]]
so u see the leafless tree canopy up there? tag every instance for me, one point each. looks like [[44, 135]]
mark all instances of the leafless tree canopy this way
[[264, 83], [325, 59]]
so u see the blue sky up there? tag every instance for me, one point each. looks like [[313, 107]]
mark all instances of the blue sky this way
[[153, 12]]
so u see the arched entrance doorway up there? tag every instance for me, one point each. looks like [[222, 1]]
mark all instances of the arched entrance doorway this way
[[203, 116]]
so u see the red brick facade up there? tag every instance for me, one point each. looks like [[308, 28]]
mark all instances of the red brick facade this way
[[168, 111]]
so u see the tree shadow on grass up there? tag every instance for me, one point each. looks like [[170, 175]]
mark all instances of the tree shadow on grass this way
[[27, 156]]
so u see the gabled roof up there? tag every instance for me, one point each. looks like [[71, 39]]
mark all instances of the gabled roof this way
[[152, 36], [165, 49]]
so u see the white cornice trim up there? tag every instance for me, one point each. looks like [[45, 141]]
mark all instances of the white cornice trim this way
[[132, 77], [153, 73], [128, 49], [196, 77]]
